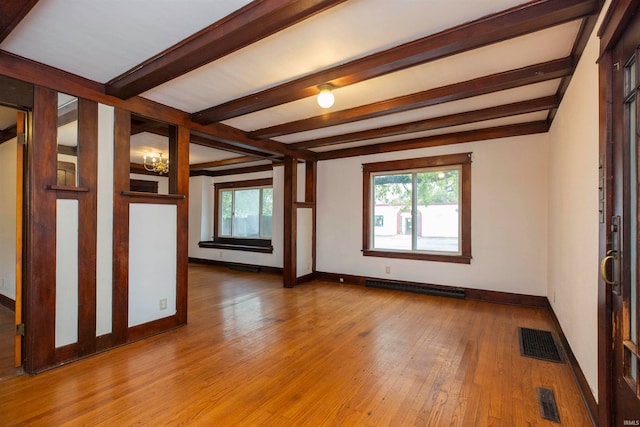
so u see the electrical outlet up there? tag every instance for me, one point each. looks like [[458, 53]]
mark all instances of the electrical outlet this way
[[341, 280], [387, 270], [163, 304]]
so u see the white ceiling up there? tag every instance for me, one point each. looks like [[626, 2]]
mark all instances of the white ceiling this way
[[100, 40]]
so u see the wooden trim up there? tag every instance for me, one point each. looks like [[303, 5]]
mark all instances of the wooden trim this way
[[615, 21], [507, 110], [578, 375], [236, 171], [305, 279], [304, 205], [7, 302], [461, 159], [440, 140], [264, 182], [262, 268], [517, 21], [68, 150], [104, 342], [40, 305], [11, 13], [311, 196], [470, 293], [289, 275], [154, 327], [480, 86], [67, 188], [250, 24], [157, 197], [120, 297]]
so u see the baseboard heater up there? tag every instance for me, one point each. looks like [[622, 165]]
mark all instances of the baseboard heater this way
[[244, 267], [416, 288]]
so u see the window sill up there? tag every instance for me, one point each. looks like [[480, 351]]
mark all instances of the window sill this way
[[237, 246], [459, 259]]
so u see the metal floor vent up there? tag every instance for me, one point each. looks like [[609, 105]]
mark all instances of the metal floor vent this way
[[419, 289], [548, 405], [539, 345], [244, 267]]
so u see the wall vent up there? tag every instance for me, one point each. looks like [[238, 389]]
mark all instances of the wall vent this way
[[417, 288]]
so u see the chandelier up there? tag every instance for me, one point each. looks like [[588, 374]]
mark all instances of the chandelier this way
[[156, 163]]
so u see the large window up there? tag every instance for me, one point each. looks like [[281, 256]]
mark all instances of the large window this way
[[243, 215], [418, 208]]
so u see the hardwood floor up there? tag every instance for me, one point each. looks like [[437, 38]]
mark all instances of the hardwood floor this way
[[322, 353]]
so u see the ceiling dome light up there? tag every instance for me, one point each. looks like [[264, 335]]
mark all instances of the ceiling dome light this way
[[325, 97]]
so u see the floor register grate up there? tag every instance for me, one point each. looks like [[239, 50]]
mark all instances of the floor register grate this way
[[539, 344], [548, 405]]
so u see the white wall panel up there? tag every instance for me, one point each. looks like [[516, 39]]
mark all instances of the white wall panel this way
[[104, 266], [152, 261], [66, 272], [304, 247]]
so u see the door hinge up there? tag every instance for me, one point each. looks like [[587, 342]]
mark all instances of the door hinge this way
[[20, 329], [22, 138]]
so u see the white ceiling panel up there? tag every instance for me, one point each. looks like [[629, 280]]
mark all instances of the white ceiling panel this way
[[100, 39], [351, 30]]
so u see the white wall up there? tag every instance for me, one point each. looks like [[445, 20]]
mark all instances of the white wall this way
[[152, 261], [201, 195], [66, 272], [104, 247], [573, 214], [8, 157], [509, 219]]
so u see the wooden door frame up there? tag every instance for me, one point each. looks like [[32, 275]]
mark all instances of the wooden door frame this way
[[613, 25], [22, 128]]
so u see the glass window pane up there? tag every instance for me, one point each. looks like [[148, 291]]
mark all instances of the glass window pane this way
[[392, 224], [438, 210], [246, 213], [267, 213], [226, 204]]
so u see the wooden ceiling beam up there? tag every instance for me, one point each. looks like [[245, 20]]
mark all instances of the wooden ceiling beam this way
[[253, 22], [500, 111], [11, 13], [520, 20], [8, 134], [223, 162], [33, 72], [440, 140], [238, 171], [481, 86]]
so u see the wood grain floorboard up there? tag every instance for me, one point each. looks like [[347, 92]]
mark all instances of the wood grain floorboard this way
[[321, 354]]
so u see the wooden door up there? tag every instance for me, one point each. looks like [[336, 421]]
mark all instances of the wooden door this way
[[620, 265], [21, 131]]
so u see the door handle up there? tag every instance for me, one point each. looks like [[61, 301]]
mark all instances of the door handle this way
[[611, 255]]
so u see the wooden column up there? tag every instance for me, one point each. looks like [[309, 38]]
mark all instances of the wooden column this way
[[120, 303], [87, 224], [40, 282], [310, 196], [181, 153], [290, 221]]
